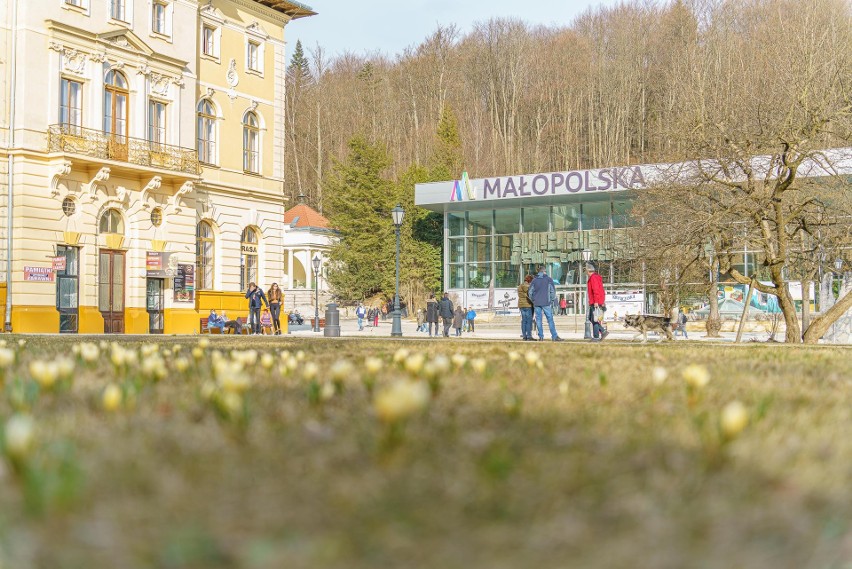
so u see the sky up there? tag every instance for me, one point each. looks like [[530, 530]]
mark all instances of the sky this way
[[389, 26]]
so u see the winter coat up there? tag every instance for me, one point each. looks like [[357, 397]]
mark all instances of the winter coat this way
[[542, 290], [256, 298], [445, 308], [458, 318], [432, 310], [471, 314], [420, 317], [523, 296], [595, 290]]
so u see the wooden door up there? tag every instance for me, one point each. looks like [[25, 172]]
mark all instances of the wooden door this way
[[111, 290]]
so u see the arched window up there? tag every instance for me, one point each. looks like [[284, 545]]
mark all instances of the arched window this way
[[111, 222], [116, 96], [248, 257], [251, 143], [206, 132], [204, 242]]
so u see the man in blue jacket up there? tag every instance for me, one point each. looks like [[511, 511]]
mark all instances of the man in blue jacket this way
[[543, 295], [256, 301]]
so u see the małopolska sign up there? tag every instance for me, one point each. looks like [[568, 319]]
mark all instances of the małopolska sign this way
[[534, 185]]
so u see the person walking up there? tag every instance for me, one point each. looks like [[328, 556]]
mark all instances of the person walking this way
[[421, 319], [471, 316], [445, 310], [276, 300], [360, 313], [563, 306], [376, 313], [526, 308], [256, 301], [432, 314], [597, 300], [543, 294], [681, 323], [458, 320]]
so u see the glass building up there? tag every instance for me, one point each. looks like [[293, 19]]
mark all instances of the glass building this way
[[497, 230]]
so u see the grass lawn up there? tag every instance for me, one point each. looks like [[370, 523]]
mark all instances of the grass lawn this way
[[224, 458]]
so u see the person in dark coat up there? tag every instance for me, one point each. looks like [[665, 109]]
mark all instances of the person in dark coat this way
[[256, 301], [458, 320], [445, 311], [542, 292], [432, 314]]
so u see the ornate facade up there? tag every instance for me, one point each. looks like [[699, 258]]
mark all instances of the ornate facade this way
[[143, 142]]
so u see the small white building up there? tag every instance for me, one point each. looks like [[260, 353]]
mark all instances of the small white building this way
[[307, 235]]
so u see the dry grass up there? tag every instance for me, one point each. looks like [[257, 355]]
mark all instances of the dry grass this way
[[584, 463]]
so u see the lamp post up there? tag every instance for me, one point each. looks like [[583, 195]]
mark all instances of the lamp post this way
[[316, 263], [587, 329], [397, 214]]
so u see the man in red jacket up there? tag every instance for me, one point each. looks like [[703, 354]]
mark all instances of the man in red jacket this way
[[597, 298]]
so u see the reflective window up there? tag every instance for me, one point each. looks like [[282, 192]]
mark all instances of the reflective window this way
[[536, 219], [204, 243], [206, 132], [479, 222], [507, 221], [455, 224], [595, 215], [566, 217], [456, 250], [111, 222]]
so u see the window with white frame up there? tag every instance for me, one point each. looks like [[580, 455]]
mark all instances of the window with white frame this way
[[253, 56], [156, 122], [209, 41], [251, 143], [71, 105], [76, 3], [206, 132], [118, 10], [159, 17]]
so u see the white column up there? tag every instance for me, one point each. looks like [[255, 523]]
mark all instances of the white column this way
[[290, 253], [309, 270]]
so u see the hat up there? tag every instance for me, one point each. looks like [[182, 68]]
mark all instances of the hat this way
[[590, 267]]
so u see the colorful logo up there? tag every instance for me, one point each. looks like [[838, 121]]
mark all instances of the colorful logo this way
[[462, 188]]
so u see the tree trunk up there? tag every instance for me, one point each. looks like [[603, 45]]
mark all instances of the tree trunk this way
[[820, 325], [713, 320], [793, 334]]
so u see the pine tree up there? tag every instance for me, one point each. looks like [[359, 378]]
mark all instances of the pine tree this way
[[299, 71], [360, 200], [447, 158]]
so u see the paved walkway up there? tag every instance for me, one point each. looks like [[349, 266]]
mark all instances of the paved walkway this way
[[507, 328]]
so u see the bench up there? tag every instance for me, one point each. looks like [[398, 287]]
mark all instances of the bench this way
[[205, 330], [322, 322]]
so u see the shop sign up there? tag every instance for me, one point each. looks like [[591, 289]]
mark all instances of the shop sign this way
[[249, 249], [39, 274], [59, 263], [159, 264], [184, 283]]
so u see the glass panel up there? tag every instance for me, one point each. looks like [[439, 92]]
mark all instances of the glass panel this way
[[67, 293], [67, 323], [457, 250], [507, 276], [507, 221], [566, 217], [596, 215], [503, 246], [118, 283], [455, 223], [479, 249], [536, 219], [479, 222], [621, 213], [251, 267], [478, 275], [456, 279], [103, 282], [108, 111]]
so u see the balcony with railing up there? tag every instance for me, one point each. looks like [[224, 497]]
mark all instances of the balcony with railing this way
[[100, 145]]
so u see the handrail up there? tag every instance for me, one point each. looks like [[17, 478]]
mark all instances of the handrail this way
[[110, 146]]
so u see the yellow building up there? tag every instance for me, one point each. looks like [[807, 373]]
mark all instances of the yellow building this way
[[143, 143]]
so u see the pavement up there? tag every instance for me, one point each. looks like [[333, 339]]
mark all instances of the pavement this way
[[508, 328]]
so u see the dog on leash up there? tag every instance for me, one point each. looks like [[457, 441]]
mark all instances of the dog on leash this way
[[647, 323]]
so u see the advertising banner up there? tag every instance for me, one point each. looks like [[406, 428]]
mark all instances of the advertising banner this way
[[38, 274], [476, 299], [184, 283], [621, 303], [506, 299], [160, 265]]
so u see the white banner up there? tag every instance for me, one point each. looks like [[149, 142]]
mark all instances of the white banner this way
[[476, 299], [620, 304]]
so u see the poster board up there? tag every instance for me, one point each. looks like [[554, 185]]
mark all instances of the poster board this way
[[621, 303], [184, 283]]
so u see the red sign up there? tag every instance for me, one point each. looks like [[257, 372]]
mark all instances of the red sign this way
[[59, 263], [39, 274]]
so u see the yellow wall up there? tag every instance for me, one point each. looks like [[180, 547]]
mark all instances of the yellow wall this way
[[2, 304], [36, 319]]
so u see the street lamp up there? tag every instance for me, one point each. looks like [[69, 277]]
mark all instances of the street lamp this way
[[316, 262], [397, 214], [587, 329]]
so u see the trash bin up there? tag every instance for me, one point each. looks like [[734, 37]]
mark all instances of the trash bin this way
[[332, 321]]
